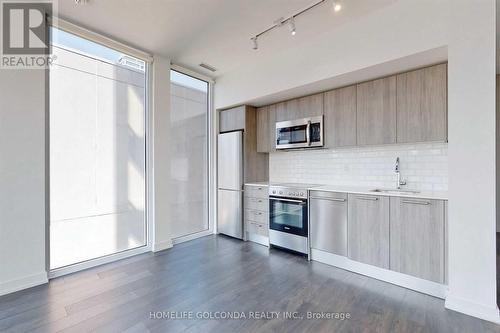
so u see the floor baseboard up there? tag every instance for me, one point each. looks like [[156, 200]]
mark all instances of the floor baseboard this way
[[160, 246], [403, 280], [472, 309], [23, 283]]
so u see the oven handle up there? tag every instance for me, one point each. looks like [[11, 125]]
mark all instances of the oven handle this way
[[289, 200], [308, 133]]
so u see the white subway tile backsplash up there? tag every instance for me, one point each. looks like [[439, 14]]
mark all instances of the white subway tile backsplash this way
[[424, 166]]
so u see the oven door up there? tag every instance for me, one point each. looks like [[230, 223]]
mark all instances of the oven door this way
[[288, 215]]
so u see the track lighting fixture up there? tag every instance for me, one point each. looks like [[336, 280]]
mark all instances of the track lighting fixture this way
[[337, 6], [255, 44], [291, 23]]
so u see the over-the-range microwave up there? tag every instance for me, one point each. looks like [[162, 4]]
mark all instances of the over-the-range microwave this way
[[300, 133]]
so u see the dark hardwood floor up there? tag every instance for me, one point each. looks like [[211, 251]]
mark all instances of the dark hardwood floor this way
[[218, 275]]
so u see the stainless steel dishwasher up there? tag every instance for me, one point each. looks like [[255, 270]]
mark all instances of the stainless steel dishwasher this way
[[328, 221]]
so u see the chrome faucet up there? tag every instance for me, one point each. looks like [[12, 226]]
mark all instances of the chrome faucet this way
[[399, 182]]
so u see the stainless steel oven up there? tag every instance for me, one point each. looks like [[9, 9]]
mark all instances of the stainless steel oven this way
[[288, 219], [300, 133], [288, 215]]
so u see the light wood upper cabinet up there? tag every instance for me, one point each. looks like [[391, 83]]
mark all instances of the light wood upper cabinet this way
[[404, 108], [232, 119], [368, 229], [266, 125], [376, 112], [308, 106], [340, 117], [421, 105], [280, 112], [271, 119], [263, 130], [417, 238]]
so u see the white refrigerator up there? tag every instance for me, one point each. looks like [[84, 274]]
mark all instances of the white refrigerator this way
[[230, 184]]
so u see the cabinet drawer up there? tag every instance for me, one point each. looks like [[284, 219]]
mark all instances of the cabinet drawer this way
[[257, 228], [256, 216], [256, 191], [260, 204]]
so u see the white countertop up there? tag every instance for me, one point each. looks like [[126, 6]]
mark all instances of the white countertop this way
[[257, 184], [438, 195]]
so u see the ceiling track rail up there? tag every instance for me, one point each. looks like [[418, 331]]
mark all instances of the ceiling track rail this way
[[282, 21]]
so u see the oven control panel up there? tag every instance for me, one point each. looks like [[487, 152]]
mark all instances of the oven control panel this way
[[287, 192]]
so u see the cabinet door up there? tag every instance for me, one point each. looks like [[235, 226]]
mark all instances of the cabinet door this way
[[232, 119], [263, 130], [421, 105], [368, 229], [376, 112], [417, 238], [328, 221], [281, 111], [340, 117], [308, 106], [271, 119]]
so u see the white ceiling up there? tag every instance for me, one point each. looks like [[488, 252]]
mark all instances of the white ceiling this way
[[216, 32]]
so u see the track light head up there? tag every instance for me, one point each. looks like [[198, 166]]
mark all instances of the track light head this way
[[255, 44], [291, 23], [337, 6]]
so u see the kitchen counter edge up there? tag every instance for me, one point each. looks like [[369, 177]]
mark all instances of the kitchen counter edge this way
[[422, 195]]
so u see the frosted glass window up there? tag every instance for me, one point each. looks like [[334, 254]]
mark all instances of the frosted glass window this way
[[188, 203], [97, 153]]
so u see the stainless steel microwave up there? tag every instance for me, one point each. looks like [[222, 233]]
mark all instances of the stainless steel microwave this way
[[300, 133]]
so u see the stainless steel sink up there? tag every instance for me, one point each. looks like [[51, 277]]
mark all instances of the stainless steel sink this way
[[390, 191]]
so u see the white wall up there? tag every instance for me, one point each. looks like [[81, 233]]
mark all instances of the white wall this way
[[22, 179], [471, 127], [423, 166], [162, 238]]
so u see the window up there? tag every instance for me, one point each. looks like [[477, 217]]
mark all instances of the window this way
[[188, 204], [97, 151]]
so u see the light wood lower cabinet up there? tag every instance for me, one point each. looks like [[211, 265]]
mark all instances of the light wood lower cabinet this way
[[368, 229], [257, 228], [254, 191], [256, 203], [417, 238], [403, 234]]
